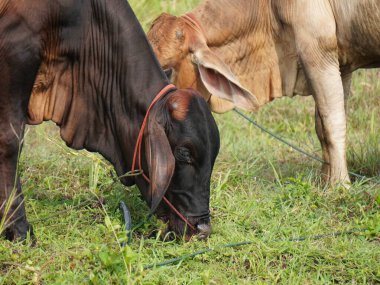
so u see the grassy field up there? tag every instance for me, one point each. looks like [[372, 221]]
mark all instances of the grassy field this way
[[262, 192]]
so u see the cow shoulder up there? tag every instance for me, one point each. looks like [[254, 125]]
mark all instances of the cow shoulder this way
[[314, 27]]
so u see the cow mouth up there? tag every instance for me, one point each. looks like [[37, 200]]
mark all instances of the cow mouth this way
[[201, 227]]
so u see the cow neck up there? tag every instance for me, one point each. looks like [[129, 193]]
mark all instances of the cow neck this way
[[256, 29], [222, 24], [118, 77]]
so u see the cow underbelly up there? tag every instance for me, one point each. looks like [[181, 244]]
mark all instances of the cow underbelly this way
[[372, 65], [354, 61], [358, 33]]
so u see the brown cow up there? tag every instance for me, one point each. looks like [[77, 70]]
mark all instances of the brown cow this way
[[275, 48], [87, 66]]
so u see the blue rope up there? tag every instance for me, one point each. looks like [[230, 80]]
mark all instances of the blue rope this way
[[291, 145], [243, 243]]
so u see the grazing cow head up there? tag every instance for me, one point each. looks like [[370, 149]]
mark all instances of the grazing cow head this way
[[181, 145], [180, 45]]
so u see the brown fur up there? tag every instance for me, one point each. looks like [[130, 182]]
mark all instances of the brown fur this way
[[179, 106], [87, 66], [47, 101]]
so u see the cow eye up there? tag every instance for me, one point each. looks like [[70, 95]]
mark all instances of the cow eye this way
[[183, 154]]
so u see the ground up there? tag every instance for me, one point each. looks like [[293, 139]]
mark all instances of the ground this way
[[262, 192]]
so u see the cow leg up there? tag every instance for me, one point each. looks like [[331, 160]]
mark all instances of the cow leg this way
[[12, 208], [18, 70], [347, 80], [325, 172], [331, 118], [318, 51], [321, 132]]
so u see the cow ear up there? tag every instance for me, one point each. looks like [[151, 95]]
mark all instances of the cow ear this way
[[161, 18], [221, 82], [161, 162]]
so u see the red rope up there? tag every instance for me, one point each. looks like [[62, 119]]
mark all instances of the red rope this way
[[171, 206], [137, 152]]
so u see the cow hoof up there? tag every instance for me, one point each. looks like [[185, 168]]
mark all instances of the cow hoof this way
[[20, 233], [204, 231], [325, 173]]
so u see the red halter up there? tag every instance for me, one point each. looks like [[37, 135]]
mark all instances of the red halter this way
[[137, 152]]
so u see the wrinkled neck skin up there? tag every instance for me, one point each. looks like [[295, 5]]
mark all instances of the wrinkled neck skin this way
[[222, 25], [257, 48], [98, 81]]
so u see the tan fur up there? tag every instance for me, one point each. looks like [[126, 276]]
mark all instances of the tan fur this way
[[174, 53], [247, 44], [282, 48]]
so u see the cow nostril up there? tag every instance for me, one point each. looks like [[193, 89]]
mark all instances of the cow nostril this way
[[204, 231]]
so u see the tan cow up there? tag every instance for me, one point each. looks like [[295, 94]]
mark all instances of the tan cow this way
[[275, 48]]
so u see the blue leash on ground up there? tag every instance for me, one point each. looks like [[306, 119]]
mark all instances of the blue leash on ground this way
[[128, 221], [243, 243], [239, 244], [292, 145]]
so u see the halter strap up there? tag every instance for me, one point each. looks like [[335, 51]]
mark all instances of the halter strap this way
[[137, 152]]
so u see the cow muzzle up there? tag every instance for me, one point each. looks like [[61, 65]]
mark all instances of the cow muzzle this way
[[202, 227]]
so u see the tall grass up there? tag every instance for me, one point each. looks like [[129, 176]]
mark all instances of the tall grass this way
[[364, 116], [12, 195]]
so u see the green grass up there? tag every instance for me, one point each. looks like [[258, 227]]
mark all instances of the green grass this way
[[262, 191]]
